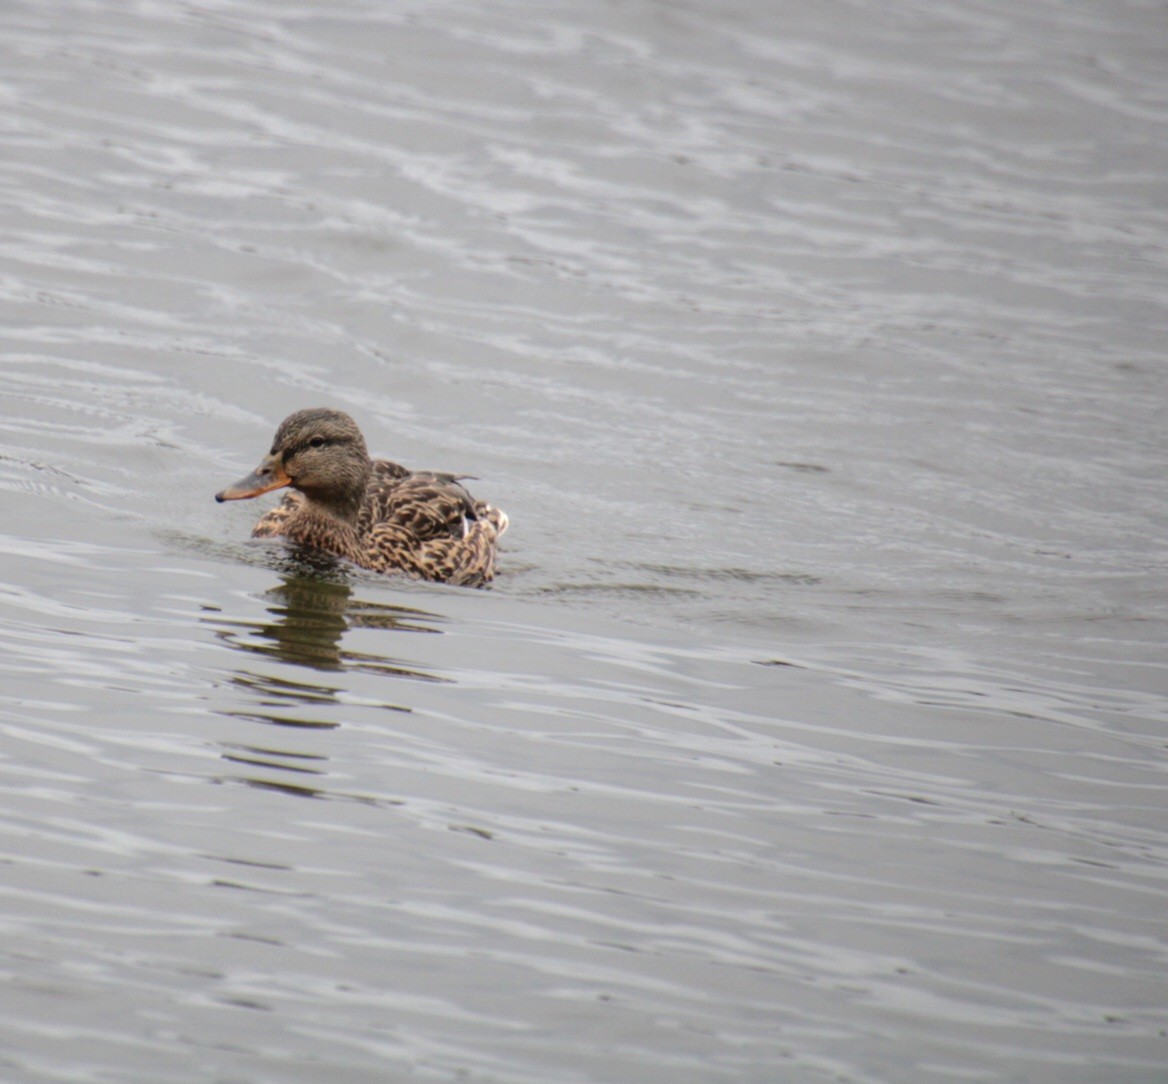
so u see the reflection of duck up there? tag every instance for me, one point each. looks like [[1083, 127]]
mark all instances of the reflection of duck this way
[[308, 618], [376, 514]]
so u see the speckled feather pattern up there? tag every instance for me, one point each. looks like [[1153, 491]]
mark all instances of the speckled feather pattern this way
[[423, 524]]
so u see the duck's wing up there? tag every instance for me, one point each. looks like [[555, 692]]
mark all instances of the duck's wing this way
[[428, 525], [422, 504], [468, 561]]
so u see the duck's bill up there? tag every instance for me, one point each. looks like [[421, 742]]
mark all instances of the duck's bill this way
[[266, 477]]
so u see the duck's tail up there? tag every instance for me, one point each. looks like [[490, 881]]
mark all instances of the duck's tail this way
[[496, 517]]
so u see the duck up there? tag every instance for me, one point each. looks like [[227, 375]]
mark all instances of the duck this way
[[373, 512]]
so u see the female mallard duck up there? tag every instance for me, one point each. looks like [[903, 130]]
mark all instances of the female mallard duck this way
[[376, 514]]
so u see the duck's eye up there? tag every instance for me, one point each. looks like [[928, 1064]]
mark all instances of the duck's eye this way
[[316, 442]]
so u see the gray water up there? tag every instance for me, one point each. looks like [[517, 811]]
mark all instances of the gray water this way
[[816, 727]]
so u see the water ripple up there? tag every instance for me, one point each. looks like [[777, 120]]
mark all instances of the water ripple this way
[[815, 726]]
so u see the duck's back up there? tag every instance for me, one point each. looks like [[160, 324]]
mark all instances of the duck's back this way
[[423, 504], [425, 523]]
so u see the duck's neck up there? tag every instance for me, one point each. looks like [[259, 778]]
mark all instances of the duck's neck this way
[[341, 500]]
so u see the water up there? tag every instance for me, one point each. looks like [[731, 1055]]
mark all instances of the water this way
[[816, 727]]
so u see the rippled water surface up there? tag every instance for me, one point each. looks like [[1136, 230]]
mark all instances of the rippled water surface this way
[[816, 727]]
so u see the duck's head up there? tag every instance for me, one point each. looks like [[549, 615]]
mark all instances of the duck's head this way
[[319, 452]]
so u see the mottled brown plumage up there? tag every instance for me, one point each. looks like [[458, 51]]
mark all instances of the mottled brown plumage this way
[[375, 513]]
